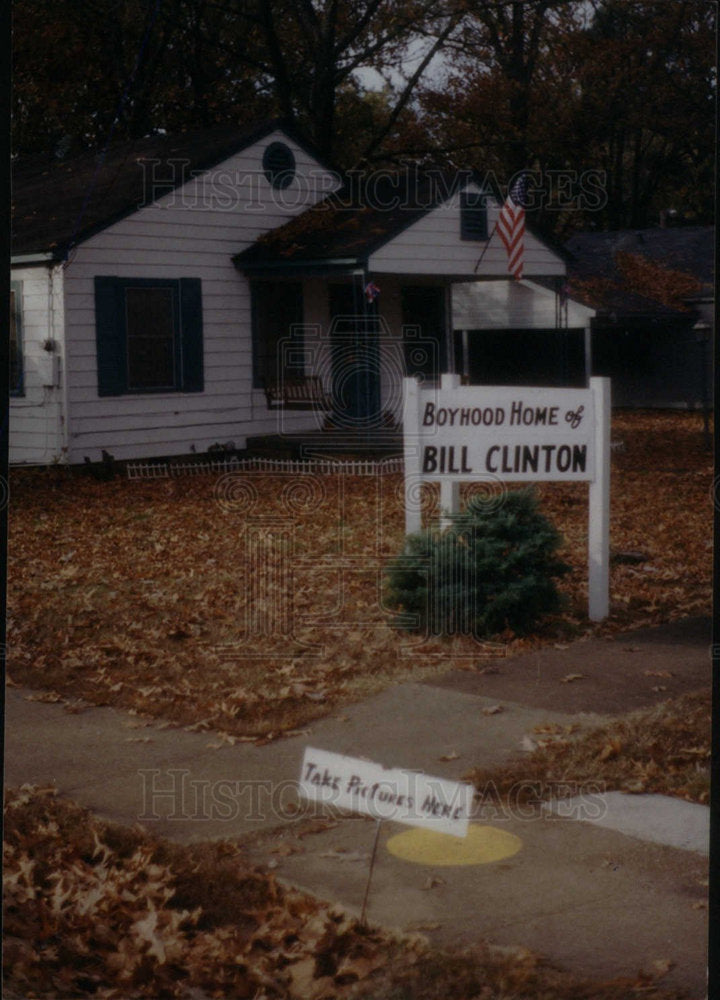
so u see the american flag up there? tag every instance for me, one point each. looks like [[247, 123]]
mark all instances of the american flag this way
[[511, 225]]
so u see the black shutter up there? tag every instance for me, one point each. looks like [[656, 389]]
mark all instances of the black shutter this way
[[110, 336], [191, 323]]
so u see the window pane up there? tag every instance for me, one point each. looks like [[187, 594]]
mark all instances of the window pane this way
[[278, 315], [150, 322]]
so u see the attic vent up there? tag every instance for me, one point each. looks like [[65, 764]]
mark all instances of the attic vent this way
[[473, 216], [279, 164]]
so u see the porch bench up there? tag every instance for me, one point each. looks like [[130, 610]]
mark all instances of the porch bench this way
[[300, 392]]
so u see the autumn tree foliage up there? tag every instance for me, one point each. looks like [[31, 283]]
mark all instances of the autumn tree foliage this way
[[96, 68], [625, 88], [646, 111]]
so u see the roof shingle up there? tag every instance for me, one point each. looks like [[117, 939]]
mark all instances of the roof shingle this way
[[58, 204]]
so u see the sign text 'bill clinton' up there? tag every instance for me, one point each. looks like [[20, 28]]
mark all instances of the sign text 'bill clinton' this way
[[544, 434]]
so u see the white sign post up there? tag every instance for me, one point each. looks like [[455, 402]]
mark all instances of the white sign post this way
[[513, 434]]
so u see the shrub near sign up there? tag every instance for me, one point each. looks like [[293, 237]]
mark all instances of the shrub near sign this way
[[513, 434]]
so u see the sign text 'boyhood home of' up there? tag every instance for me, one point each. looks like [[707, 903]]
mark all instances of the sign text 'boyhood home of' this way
[[490, 434]]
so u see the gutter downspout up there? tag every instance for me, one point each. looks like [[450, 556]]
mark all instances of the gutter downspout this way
[[56, 276], [365, 344]]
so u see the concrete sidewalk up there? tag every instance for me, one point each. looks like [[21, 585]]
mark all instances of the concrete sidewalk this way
[[603, 898]]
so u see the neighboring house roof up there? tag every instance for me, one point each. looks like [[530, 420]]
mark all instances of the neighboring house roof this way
[[368, 211], [61, 203], [649, 272]]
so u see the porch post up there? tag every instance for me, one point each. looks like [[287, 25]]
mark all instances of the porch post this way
[[588, 354], [449, 333], [411, 447], [449, 489], [465, 354]]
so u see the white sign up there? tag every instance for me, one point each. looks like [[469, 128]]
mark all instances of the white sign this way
[[509, 434], [514, 434], [386, 793]]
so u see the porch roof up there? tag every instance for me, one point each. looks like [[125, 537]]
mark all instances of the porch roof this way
[[346, 227], [406, 223]]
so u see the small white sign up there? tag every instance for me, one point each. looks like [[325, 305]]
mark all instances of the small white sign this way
[[386, 793]]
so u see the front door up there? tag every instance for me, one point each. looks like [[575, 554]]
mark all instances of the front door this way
[[354, 328]]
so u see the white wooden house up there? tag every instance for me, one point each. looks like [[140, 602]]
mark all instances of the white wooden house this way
[[179, 293]]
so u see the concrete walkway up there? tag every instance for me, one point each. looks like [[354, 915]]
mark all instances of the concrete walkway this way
[[604, 887]]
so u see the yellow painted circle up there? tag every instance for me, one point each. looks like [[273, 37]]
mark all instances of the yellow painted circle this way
[[482, 845]]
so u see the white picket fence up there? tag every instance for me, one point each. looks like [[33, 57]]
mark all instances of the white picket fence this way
[[356, 467]]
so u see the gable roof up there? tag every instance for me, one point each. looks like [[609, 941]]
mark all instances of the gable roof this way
[[353, 222], [673, 267], [56, 205]]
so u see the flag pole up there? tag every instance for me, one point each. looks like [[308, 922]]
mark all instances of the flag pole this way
[[480, 258]]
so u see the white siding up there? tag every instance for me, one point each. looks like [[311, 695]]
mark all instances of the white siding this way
[[432, 246], [500, 305], [36, 429], [192, 232]]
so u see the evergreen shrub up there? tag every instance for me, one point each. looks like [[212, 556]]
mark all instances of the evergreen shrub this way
[[494, 568]]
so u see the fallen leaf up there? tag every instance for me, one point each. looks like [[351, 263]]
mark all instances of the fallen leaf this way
[[285, 849], [432, 881], [662, 966], [569, 678], [354, 969], [339, 854], [610, 750], [493, 710], [302, 976], [317, 826], [450, 756]]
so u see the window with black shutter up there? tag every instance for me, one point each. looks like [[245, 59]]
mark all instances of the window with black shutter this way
[[149, 335]]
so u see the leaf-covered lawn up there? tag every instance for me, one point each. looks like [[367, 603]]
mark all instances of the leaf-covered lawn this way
[[251, 604], [662, 750], [96, 910]]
